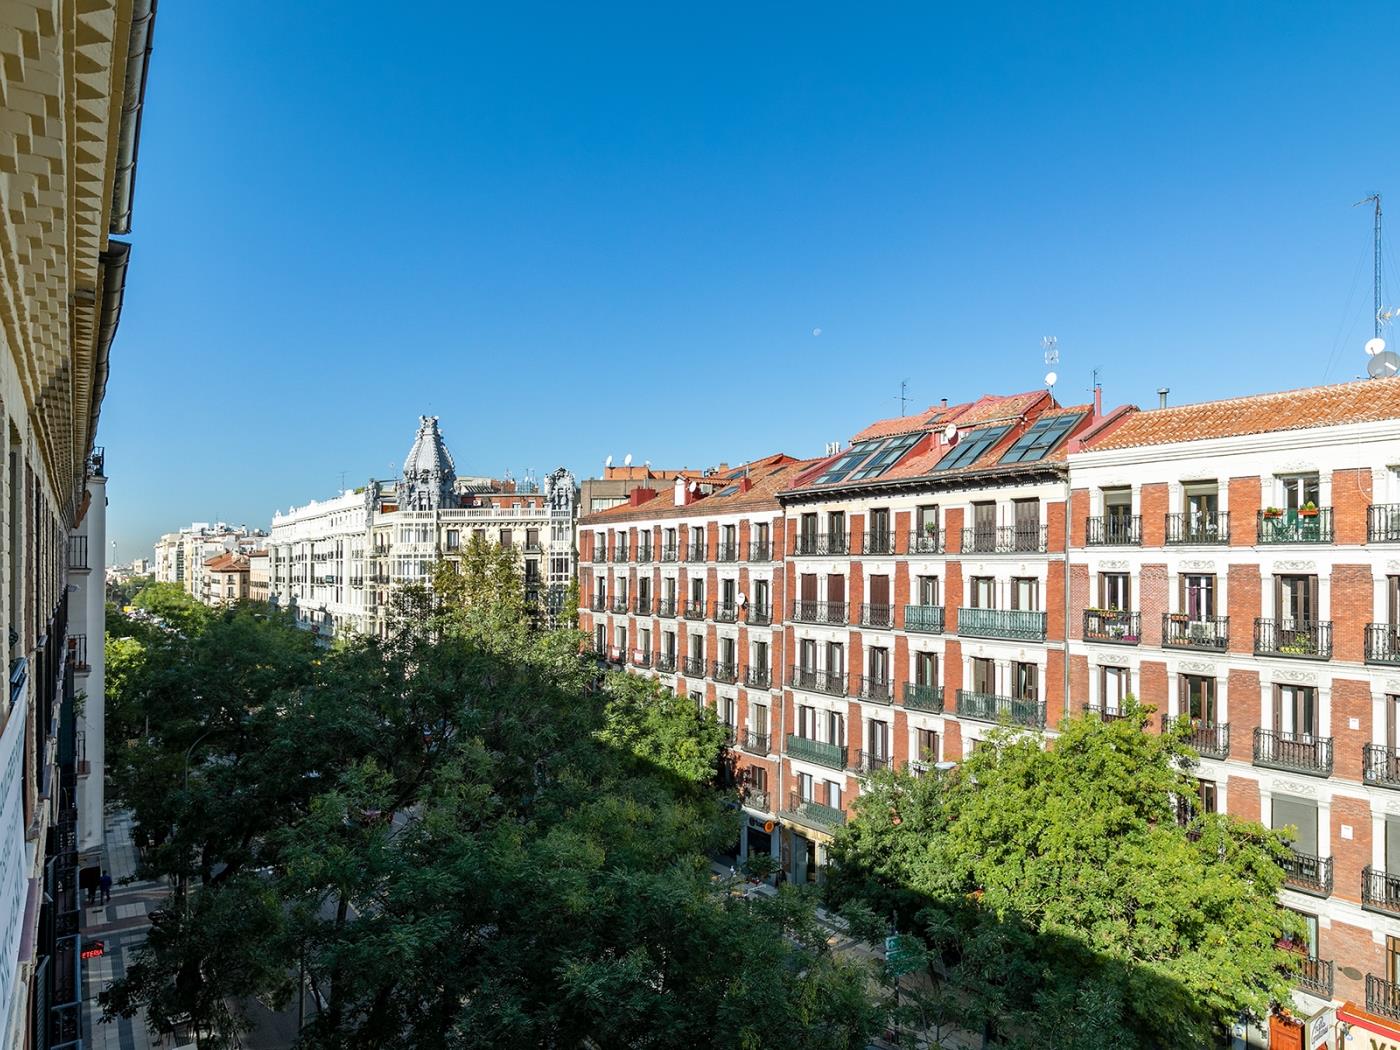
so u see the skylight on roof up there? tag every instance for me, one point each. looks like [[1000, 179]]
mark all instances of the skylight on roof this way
[[968, 450], [728, 491], [892, 452], [1036, 443], [854, 457]]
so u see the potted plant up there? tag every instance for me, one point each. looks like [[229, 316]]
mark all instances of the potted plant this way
[[1308, 510], [1273, 512]]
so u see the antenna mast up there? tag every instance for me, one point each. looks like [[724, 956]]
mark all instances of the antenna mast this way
[[903, 394], [1375, 199]]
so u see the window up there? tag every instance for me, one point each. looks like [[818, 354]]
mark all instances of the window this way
[[1198, 596], [836, 658], [925, 668], [1114, 591], [807, 722], [1114, 686], [928, 590], [758, 719], [1025, 680], [926, 517], [644, 640], [804, 787], [808, 531], [926, 745], [1296, 600], [807, 654], [760, 595], [970, 447], [836, 728], [1025, 593], [454, 539], [1300, 814], [1037, 442], [983, 592], [1198, 698], [1210, 802], [600, 637], [833, 794], [872, 457], [760, 657], [835, 525], [879, 527], [505, 538], [1300, 490], [1295, 711], [877, 738], [983, 675], [879, 665]]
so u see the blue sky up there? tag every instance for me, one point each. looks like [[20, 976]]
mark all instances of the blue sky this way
[[574, 230]]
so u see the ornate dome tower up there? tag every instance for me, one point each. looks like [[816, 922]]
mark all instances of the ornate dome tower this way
[[428, 472]]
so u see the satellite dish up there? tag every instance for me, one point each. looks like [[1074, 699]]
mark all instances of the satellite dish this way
[[608, 462], [742, 599], [694, 486], [1384, 365], [1051, 378], [627, 460], [950, 433], [1375, 346]]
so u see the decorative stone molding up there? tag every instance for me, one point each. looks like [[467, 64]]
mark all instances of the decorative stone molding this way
[[1197, 667], [1392, 567], [1295, 566], [1197, 566], [1289, 674], [1115, 565], [1295, 787], [1392, 685]]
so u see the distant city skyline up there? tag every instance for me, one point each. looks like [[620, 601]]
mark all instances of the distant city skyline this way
[[593, 232]]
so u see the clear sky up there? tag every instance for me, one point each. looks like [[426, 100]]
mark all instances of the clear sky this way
[[584, 229]]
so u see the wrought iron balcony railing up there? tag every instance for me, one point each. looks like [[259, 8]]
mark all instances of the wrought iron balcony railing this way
[[724, 672], [821, 543], [925, 619], [1209, 739], [1114, 530], [1119, 626], [694, 610], [1382, 997], [879, 615], [619, 605], [881, 542], [832, 683], [1380, 890], [814, 814], [755, 743], [760, 550], [620, 552], [695, 552], [759, 615], [669, 554], [753, 798], [726, 613], [1308, 873], [1020, 624], [988, 707], [666, 662], [876, 689], [923, 697], [600, 603], [644, 553], [728, 552], [1108, 713], [1299, 752], [819, 612], [1004, 539], [818, 751], [1382, 643], [1295, 526], [641, 658], [666, 607], [867, 762], [1383, 523], [1181, 631], [926, 542], [1315, 977], [1198, 528], [1309, 640], [757, 677], [693, 667], [1380, 765]]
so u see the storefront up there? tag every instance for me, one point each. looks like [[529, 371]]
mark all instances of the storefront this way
[[1358, 1030]]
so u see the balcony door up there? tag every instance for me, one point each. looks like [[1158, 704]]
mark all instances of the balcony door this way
[[807, 654], [877, 738], [836, 662], [1114, 591], [1025, 593], [1028, 524], [984, 675], [809, 532], [835, 593], [1295, 711], [984, 526], [928, 590], [1301, 815], [1198, 699], [1300, 490], [1198, 596], [880, 665], [1025, 680], [835, 728], [1295, 600], [983, 592], [926, 745], [1114, 685], [880, 529], [926, 669], [880, 600]]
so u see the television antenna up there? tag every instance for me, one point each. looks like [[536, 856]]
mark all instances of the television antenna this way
[[1375, 199], [1051, 345], [903, 394]]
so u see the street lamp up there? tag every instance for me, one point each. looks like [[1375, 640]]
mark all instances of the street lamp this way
[[184, 870]]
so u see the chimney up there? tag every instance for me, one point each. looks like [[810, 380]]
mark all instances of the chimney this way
[[1098, 401], [1162, 393], [944, 402]]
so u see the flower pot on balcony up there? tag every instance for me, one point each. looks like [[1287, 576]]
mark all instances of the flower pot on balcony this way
[[1307, 512]]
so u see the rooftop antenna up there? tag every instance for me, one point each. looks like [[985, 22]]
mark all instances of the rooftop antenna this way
[[903, 394], [1051, 345], [1375, 199], [342, 480]]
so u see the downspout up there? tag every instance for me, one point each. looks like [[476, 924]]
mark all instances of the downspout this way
[[138, 60]]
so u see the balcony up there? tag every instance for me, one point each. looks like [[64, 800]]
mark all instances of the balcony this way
[[988, 707], [881, 542], [832, 683], [669, 554], [1315, 977], [1308, 873], [1380, 891], [929, 541], [759, 615], [819, 612], [1019, 624], [641, 658], [867, 762], [724, 672], [77, 653], [1105, 714], [755, 743], [1199, 528], [923, 697], [642, 605], [814, 814], [818, 751], [666, 607], [1383, 523], [1297, 752], [1211, 633], [1115, 530], [1382, 997], [1208, 739], [876, 615], [753, 798], [726, 613], [1118, 626], [619, 605], [620, 552], [1004, 539], [814, 544], [1382, 643], [666, 662], [1295, 526], [760, 550], [694, 611], [876, 689], [1380, 765], [643, 554], [693, 667], [695, 553], [600, 603], [925, 619], [757, 678], [1299, 638]]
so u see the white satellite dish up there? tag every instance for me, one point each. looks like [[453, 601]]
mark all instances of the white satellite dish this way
[[742, 599], [1383, 365], [1375, 346], [694, 486], [950, 433], [627, 460], [1051, 378], [608, 462]]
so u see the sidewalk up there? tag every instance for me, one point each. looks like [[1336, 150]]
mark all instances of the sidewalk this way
[[121, 924]]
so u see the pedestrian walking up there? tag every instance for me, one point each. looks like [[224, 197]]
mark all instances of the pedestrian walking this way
[[106, 883]]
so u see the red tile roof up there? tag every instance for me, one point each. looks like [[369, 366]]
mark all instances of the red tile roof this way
[[1364, 401], [229, 561], [766, 477]]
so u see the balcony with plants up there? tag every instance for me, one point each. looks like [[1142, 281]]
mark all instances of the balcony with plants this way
[[1307, 524], [1208, 739], [928, 540], [1304, 639], [1185, 631], [1119, 626]]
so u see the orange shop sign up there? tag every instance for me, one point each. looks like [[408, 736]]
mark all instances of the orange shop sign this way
[[1360, 1031]]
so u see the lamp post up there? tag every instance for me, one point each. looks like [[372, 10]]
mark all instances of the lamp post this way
[[184, 874]]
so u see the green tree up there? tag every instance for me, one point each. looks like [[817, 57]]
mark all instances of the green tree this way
[[169, 604], [1059, 896]]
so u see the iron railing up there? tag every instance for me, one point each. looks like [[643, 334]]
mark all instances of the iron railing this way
[[1383, 523], [78, 654], [867, 762], [1309, 640], [819, 612], [756, 799], [728, 552], [694, 610], [881, 542], [1021, 624], [1209, 739], [666, 607], [1119, 626], [1295, 526], [1382, 997], [1308, 873], [693, 667], [1104, 712], [620, 552], [641, 658], [1380, 765], [666, 662], [818, 751], [923, 697], [1299, 752], [926, 542], [1180, 631], [1198, 528], [926, 619], [619, 605], [600, 603], [1004, 539], [755, 743], [988, 707], [757, 677], [821, 543], [724, 672], [669, 554], [1382, 643], [760, 615], [726, 613], [760, 550], [876, 615], [1315, 977], [832, 683], [695, 552], [1380, 890], [814, 814], [1114, 530], [644, 552], [876, 688]]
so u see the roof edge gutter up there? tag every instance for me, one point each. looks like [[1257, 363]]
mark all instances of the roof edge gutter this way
[[113, 262], [138, 61]]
